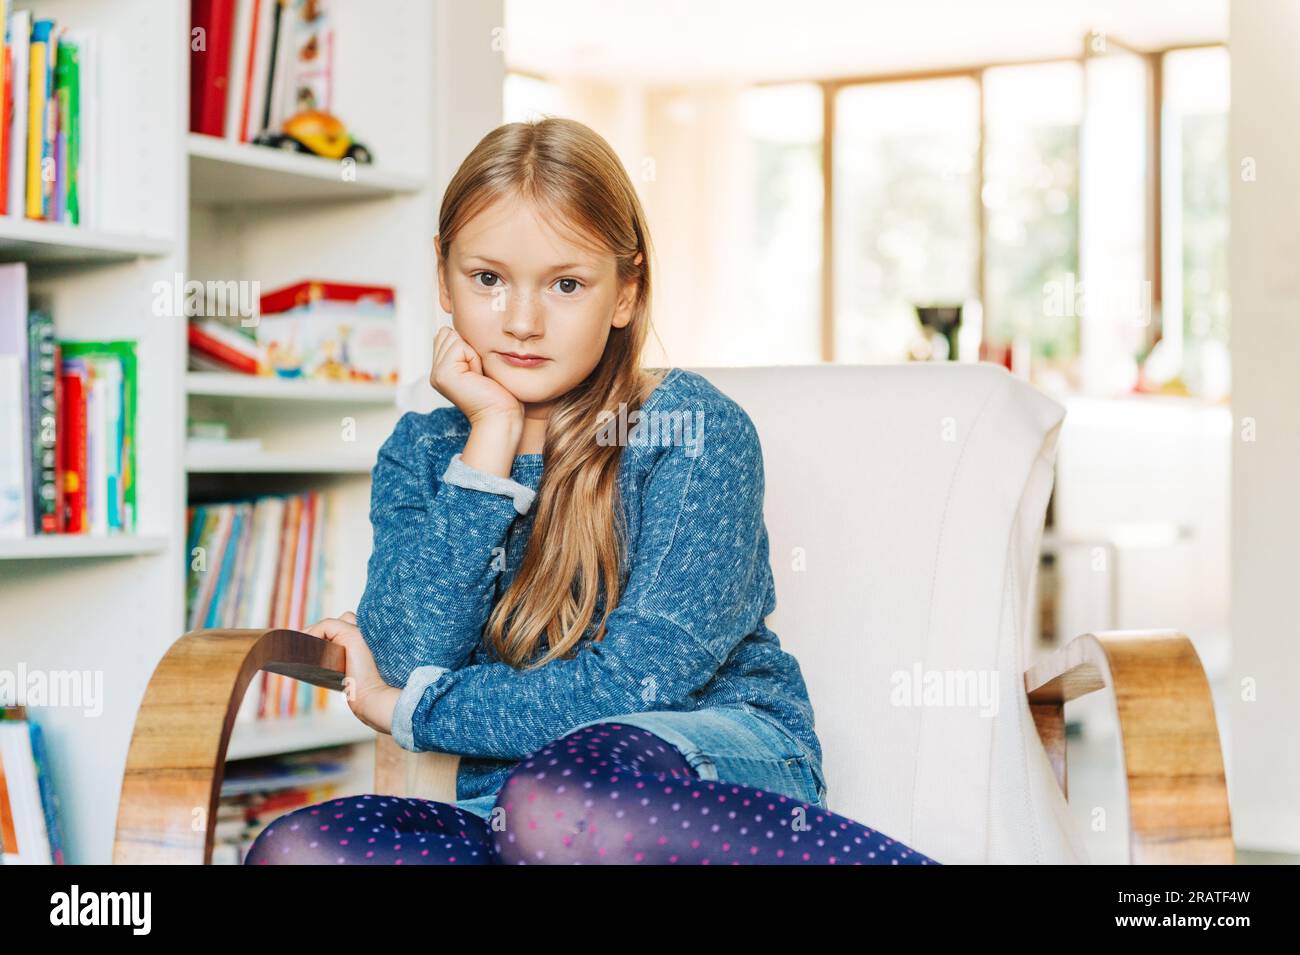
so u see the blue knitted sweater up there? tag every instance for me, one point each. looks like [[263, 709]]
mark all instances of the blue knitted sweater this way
[[688, 631]]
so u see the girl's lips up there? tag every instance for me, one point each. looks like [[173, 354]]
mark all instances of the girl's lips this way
[[520, 362]]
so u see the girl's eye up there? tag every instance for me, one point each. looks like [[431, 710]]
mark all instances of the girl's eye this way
[[569, 291], [491, 284]]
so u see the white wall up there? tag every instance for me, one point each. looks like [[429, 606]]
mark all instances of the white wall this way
[[1264, 263]]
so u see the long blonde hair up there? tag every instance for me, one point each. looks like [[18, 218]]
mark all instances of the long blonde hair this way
[[578, 543]]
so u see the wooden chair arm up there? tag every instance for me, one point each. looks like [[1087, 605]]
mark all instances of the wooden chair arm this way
[[1170, 747], [168, 806], [174, 768]]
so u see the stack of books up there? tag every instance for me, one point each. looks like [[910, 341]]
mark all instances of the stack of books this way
[[67, 425], [49, 133], [30, 832], [255, 63], [256, 792], [261, 563], [315, 330]]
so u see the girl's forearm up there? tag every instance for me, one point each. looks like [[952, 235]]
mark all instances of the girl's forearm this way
[[492, 443]]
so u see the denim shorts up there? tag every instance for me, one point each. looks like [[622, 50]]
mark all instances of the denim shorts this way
[[734, 743]]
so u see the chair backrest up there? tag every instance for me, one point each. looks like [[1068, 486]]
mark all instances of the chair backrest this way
[[905, 508]]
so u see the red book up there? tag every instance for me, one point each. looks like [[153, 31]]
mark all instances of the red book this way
[[73, 410], [214, 348], [7, 118], [304, 293], [210, 65]]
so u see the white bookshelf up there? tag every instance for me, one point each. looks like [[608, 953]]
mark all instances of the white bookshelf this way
[[82, 545], [277, 462], [226, 173], [293, 734], [265, 388], [179, 204], [23, 240]]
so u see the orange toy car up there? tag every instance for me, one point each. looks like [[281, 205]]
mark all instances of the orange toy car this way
[[318, 133]]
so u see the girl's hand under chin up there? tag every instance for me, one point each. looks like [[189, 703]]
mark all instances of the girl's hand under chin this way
[[457, 375], [371, 699]]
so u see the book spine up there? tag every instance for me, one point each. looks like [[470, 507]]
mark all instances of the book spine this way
[[45, 469], [6, 108], [73, 411], [49, 800], [35, 127]]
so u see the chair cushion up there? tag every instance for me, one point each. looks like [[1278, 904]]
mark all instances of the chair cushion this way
[[905, 508]]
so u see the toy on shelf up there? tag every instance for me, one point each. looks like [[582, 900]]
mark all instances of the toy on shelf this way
[[318, 133]]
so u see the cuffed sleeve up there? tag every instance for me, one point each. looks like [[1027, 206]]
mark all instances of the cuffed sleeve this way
[[466, 476], [421, 679], [697, 587], [437, 550]]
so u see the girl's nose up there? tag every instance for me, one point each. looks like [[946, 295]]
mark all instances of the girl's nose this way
[[523, 314]]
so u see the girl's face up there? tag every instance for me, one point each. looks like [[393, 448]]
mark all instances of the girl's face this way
[[514, 284]]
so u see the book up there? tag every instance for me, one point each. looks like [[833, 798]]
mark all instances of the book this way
[[18, 42], [241, 40], [17, 515], [331, 331], [110, 370], [44, 361], [37, 112], [30, 827], [261, 563], [211, 23]]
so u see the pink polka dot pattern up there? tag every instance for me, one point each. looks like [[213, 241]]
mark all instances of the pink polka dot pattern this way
[[606, 794]]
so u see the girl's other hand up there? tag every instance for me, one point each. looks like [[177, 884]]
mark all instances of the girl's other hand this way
[[458, 376]]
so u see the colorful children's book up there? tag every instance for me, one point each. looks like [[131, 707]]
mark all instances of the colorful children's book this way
[[18, 41], [110, 367], [37, 112]]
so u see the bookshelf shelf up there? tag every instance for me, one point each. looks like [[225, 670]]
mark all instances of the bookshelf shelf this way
[[292, 734], [228, 173], [277, 462], [176, 204], [23, 240], [51, 546], [264, 388]]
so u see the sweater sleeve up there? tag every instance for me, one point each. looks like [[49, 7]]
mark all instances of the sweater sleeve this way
[[696, 588], [431, 576]]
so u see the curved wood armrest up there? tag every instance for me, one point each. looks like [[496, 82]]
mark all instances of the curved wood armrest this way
[[1173, 763], [168, 807], [176, 762]]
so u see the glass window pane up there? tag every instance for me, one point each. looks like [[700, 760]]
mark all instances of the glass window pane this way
[[905, 224], [1195, 224], [783, 315], [1031, 202]]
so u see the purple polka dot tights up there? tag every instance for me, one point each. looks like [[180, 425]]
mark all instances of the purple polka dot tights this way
[[604, 794]]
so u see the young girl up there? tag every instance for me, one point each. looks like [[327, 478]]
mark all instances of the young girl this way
[[570, 573]]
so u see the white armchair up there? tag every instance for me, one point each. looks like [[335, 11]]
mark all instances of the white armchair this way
[[905, 507]]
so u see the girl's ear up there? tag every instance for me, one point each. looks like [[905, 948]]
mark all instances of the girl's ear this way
[[627, 298]]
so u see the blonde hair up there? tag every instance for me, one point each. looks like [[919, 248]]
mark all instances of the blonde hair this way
[[578, 542]]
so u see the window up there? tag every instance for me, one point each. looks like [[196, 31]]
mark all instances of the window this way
[[1195, 177], [1031, 204], [783, 125], [905, 222]]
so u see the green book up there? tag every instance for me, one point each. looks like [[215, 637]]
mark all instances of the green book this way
[[67, 86], [124, 353]]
